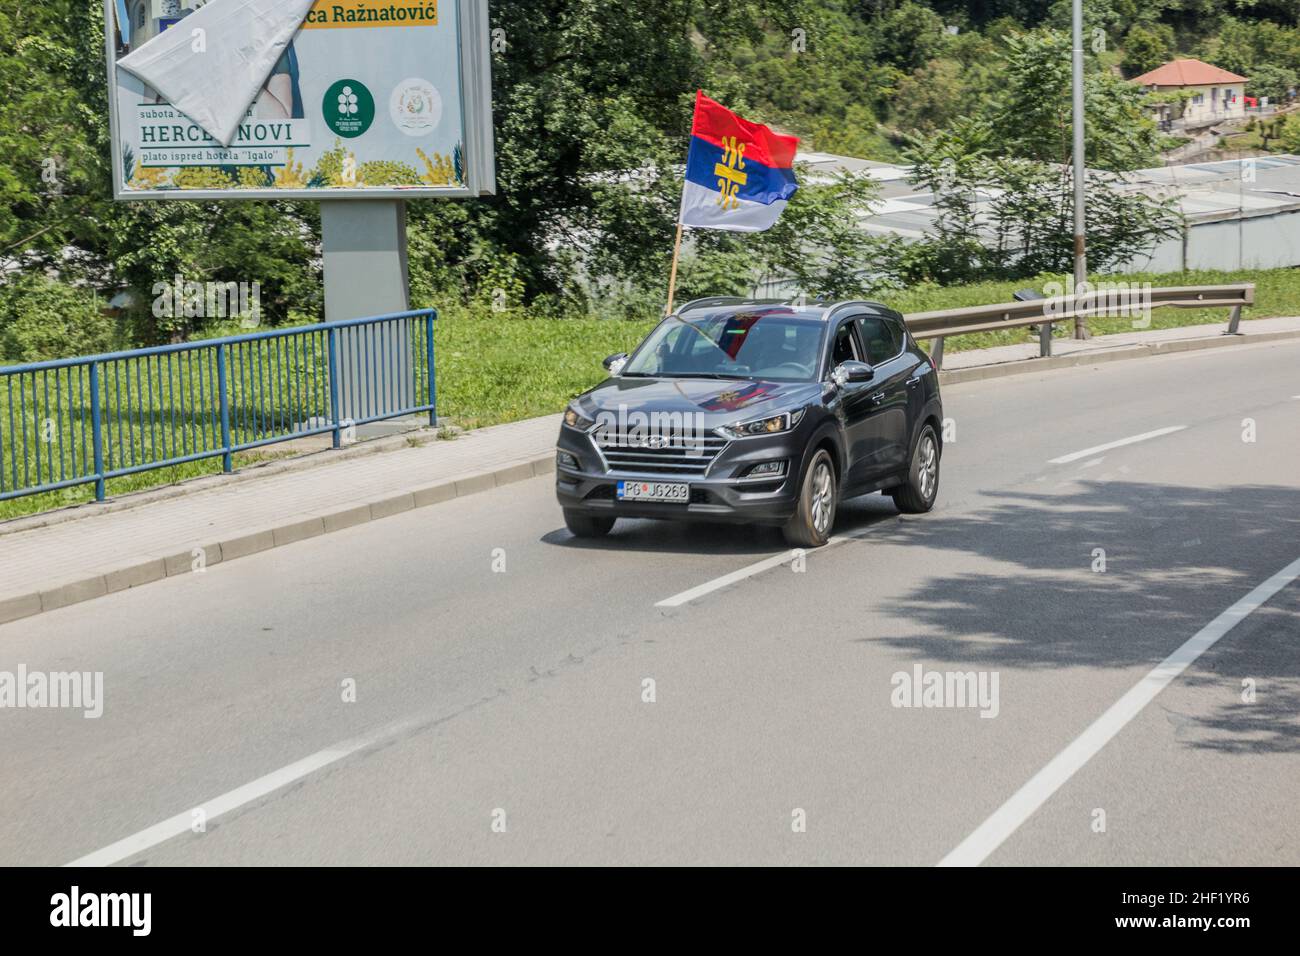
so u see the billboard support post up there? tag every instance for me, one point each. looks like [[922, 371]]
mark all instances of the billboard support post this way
[[363, 245]]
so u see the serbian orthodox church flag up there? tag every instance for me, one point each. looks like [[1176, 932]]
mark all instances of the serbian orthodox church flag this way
[[739, 175]]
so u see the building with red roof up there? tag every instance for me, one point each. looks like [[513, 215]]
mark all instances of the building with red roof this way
[[1217, 94]]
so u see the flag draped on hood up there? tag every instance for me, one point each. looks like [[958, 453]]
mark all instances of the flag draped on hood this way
[[214, 75], [739, 174]]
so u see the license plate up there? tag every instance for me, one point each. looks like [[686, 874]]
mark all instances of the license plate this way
[[672, 491]]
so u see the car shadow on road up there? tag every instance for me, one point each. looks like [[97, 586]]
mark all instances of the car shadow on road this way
[[719, 538], [1026, 587]]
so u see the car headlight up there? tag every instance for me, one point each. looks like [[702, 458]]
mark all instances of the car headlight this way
[[763, 426], [575, 419]]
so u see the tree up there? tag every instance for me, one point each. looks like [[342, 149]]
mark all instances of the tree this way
[[1273, 81], [1031, 119], [1012, 217], [1147, 46]]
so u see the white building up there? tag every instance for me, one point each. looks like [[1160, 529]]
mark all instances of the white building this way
[[1216, 94]]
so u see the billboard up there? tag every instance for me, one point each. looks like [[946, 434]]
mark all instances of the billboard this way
[[371, 99]]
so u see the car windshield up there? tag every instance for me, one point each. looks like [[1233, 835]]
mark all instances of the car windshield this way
[[780, 346]]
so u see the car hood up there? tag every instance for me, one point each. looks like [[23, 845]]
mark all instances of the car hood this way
[[719, 400]]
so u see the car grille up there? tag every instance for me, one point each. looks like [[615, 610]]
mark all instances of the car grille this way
[[676, 457]]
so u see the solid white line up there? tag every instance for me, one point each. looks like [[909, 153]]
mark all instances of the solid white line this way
[[234, 799], [758, 567], [1075, 456], [708, 587], [990, 834]]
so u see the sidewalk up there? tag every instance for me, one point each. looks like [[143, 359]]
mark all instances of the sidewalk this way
[[42, 568], [51, 561]]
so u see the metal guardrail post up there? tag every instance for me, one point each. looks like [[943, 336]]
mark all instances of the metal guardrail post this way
[[1234, 321], [227, 459], [1045, 339], [433, 388], [332, 336], [97, 435], [937, 352]]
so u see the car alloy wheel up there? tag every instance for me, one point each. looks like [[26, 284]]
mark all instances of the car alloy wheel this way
[[928, 466], [823, 497]]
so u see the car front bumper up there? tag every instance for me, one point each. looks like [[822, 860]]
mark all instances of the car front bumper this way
[[720, 494]]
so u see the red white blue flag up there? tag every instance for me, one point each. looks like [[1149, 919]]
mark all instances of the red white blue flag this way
[[739, 175]]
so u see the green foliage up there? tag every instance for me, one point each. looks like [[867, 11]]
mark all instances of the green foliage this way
[[592, 126], [1031, 118], [1273, 81], [1147, 46], [41, 319], [1288, 135], [1025, 225]]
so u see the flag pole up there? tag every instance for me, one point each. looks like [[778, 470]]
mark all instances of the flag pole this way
[[672, 275]]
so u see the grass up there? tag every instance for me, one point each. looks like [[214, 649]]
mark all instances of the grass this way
[[502, 367], [494, 369]]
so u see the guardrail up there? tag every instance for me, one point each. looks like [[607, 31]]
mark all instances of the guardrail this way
[[89, 419], [1047, 311]]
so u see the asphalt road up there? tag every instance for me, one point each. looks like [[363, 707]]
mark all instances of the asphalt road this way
[[500, 711]]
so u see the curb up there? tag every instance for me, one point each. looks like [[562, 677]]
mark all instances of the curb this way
[[981, 373], [242, 543]]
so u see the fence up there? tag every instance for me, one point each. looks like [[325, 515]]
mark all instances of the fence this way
[[1044, 312], [85, 420]]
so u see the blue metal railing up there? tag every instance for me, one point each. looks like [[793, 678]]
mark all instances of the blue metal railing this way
[[86, 420]]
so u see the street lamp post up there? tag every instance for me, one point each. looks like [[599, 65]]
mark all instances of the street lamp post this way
[[1080, 253]]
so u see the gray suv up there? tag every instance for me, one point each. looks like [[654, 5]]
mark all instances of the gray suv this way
[[755, 411]]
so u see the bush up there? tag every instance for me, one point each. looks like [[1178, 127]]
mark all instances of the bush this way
[[43, 319]]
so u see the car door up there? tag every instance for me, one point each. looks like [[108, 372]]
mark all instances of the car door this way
[[854, 406], [888, 396]]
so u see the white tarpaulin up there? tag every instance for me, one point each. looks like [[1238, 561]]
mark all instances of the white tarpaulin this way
[[213, 64]]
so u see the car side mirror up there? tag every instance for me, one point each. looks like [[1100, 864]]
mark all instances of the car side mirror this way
[[614, 363], [852, 371]]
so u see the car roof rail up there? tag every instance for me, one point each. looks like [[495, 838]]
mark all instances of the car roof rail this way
[[854, 303], [714, 300], [711, 300]]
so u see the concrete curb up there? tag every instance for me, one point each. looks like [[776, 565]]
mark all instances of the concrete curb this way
[[981, 373], [239, 544]]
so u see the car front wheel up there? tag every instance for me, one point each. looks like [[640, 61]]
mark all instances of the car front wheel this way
[[916, 495], [587, 526], [810, 525]]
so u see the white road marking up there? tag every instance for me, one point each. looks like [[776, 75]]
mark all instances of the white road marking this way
[[708, 587], [990, 834], [758, 567], [1075, 456], [234, 799]]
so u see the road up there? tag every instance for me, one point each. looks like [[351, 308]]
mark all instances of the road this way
[[500, 667]]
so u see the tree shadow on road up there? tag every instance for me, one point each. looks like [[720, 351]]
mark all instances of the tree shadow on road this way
[[1022, 587]]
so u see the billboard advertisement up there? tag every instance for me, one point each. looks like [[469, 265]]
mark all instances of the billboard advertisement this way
[[370, 99]]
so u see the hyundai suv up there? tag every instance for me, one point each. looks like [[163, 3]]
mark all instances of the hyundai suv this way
[[755, 411]]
